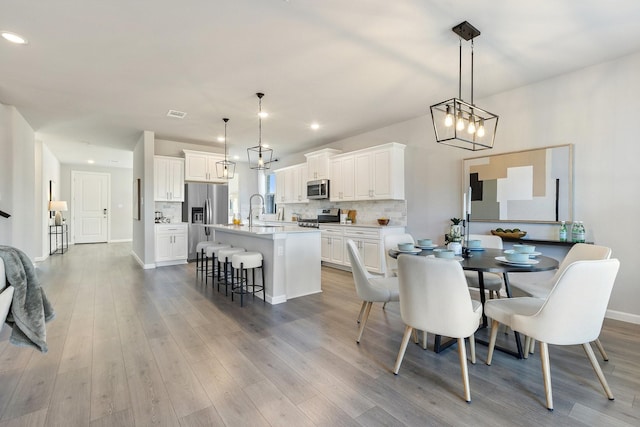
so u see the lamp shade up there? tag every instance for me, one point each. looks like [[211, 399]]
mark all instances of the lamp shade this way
[[58, 206]]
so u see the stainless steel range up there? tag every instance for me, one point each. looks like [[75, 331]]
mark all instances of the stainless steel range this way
[[323, 216]]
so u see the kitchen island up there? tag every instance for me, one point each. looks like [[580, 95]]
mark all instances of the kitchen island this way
[[291, 256]]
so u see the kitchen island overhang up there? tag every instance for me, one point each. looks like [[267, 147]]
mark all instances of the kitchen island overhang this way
[[291, 256]]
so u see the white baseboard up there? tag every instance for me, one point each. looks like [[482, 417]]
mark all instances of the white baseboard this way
[[142, 264], [276, 300], [625, 317], [120, 240]]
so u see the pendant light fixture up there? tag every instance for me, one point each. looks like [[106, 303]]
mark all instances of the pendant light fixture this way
[[225, 168], [259, 156], [457, 122]]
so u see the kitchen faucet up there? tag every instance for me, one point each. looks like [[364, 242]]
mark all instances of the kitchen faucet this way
[[251, 207]]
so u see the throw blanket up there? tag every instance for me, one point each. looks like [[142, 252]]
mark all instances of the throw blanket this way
[[30, 308]]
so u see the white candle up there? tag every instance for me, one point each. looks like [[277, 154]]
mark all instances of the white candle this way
[[464, 205], [469, 204]]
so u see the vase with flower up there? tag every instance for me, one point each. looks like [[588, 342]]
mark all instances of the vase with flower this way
[[454, 238]]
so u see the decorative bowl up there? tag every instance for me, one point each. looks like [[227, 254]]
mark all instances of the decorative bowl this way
[[509, 234], [524, 249], [405, 246], [513, 256], [383, 221], [474, 243], [425, 242], [444, 253]]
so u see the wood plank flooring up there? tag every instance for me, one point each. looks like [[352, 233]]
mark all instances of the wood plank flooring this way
[[131, 347]]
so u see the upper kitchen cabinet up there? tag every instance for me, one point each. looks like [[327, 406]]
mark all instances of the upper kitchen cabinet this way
[[201, 166], [379, 172], [168, 179], [318, 163], [342, 178], [291, 184]]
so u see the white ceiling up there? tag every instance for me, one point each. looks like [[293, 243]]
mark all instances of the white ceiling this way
[[96, 73]]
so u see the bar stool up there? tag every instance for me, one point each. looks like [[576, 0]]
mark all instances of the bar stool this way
[[224, 257], [242, 263], [200, 255], [210, 251]]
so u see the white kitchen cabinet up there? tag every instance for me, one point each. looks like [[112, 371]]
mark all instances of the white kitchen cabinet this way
[[201, 166], [280, 185], [368, 240], [291, 184], [318, 163], [369, 244], [332, 247], [342, 178], [171, 244], [168, 179], [379, 172]]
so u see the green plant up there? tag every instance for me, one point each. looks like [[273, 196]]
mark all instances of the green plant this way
[[456, 221]]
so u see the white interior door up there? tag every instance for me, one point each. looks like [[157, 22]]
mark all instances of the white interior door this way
[[90, 206]]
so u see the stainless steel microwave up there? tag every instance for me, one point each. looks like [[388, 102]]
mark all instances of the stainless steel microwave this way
[[318, 189]]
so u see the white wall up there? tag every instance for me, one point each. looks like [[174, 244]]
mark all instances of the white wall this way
[[143, 229], [50, 171], [593, 109], [18, 189], [6, 177]]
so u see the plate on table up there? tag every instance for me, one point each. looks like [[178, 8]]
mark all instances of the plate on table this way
[[476, 249], [455, 258], [427, 247], [409, 251], [527, 263]]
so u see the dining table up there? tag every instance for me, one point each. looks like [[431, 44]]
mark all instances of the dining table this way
[[486, 260]]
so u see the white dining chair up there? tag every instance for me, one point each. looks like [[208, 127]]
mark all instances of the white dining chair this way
[[578, 252], [391, 242], [369, 288], [434, 297], [492, 281], [571, 314]]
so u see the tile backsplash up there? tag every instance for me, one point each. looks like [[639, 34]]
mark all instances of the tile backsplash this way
[[171, 210], [368, 212]]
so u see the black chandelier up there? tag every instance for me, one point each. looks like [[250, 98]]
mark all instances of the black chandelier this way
[[259, 156], [459, 123], [225, 168]]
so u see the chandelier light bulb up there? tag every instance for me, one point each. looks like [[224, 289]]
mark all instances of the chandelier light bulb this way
[[480, 132], [472, 125], [459, 121], [448, 119]]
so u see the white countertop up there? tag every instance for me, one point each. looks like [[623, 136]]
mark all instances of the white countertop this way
[[261, 230], [337, 224]]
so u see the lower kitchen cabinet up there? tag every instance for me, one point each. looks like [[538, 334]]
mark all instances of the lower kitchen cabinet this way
[[368, 240], [171, 244]]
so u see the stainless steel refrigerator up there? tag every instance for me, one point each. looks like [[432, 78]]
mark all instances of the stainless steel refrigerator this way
[[204, 204]]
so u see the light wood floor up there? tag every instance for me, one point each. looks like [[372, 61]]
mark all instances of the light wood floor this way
[[135, 348]]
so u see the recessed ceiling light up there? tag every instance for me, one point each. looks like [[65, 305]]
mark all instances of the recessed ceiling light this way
[[265, 145], [14, 38], [176, 114], [236, 157], [315, 126], [263, 114], [91, 162], [221, 139]]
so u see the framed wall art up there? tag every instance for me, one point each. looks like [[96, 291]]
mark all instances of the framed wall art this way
[[523, 186]]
